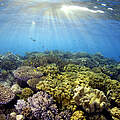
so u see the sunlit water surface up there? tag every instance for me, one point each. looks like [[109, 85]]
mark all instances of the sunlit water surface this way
[[38, 25]]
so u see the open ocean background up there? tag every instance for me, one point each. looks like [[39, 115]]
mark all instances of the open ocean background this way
[[70, 25]]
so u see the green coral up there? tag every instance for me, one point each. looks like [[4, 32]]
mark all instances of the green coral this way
[[26, 92], [78, 115]]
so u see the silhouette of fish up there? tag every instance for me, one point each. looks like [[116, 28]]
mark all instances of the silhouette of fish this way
[[32, 39]]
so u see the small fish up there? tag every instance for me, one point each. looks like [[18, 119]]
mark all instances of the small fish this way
[[32, 39]]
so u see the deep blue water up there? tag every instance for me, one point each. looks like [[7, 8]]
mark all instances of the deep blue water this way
[[79, 25]]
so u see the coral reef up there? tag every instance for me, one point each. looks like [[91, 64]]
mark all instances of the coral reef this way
[[56, 85], [78, 115], [60, 87], [24, 73], [10, 61], [6, 95], [91, 100]]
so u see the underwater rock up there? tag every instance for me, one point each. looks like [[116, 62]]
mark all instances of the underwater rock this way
[[41, 105], [91, 100], [6, 95], [78, 115], [24, 73]]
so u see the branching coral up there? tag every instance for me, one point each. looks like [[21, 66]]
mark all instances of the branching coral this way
[[40, 104], [60, 87], [6, 95], [91, 100]]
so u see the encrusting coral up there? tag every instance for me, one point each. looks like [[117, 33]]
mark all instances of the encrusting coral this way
[[6, 95], [91, 100]]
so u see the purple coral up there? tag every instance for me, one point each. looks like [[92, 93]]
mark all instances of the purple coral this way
[[21, 104], [42, 106]]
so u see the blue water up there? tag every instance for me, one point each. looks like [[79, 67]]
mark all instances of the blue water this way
[[79, 25]]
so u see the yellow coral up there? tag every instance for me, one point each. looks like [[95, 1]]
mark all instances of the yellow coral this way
[[78, 115]]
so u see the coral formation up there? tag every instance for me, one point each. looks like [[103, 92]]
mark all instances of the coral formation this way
[[6, 95], [64, 115], [41, 105], [9, 61], [63, 85], [115, 113], [91, 100], [24, 73], [78, 115], [16, 88], [97, 117], [113, 89], [26, 92]]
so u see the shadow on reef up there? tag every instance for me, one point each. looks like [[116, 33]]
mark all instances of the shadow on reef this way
[[56, 85]]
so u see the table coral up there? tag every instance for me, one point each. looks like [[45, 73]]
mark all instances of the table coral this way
[[91, 100], [24, 73], [6, 95]]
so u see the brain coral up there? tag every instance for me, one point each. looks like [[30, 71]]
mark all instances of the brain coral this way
[[91, 100], [25, 73], [6, 95]]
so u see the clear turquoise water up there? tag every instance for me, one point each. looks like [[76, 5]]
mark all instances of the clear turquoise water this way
[[84, 25]]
